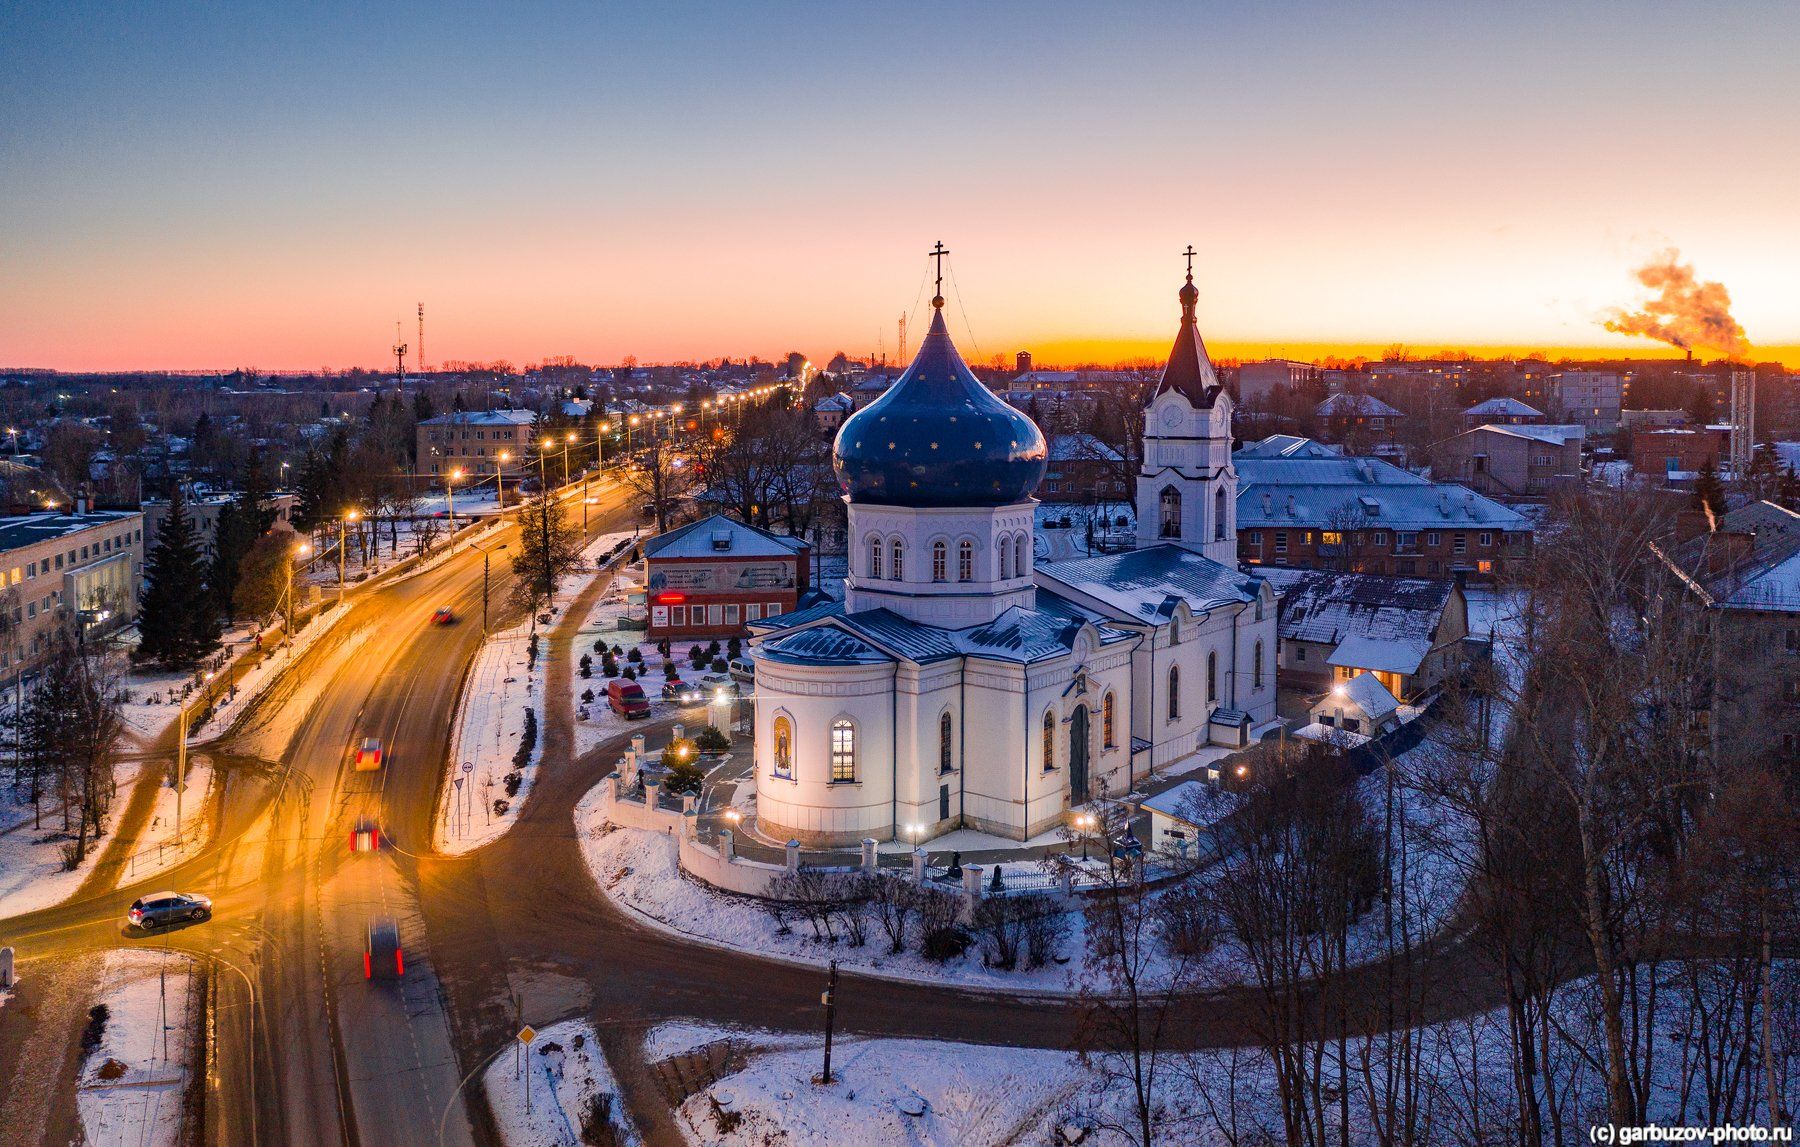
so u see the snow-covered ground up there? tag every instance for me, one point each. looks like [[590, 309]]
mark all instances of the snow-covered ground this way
[[638, 869], [490, 720], [32, 867], [132, 1085], [159, 846], [502, 684], [937, 1092], [565, 1071]]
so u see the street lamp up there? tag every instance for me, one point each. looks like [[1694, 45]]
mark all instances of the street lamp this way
[[630, 423], [349, 516], [568, 441], [300, 551], [500, 462], [485, 555], [450, 493]]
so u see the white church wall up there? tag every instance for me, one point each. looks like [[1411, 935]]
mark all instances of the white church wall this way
[[810, 806], [937, 692]]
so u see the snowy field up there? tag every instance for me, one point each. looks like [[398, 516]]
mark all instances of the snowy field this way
[[941, 1093], [503, 683], [132, 1085], [159, 846], [33, 873], [567, 1074]]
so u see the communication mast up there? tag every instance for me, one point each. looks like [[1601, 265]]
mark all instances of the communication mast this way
[[399, 356], [902, 357], [420, 361]]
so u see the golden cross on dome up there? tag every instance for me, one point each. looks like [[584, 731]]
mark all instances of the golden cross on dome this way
[[938, 252]]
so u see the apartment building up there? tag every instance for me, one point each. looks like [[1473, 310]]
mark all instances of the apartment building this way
[[59, 569]]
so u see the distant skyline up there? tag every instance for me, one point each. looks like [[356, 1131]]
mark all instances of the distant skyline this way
[[210, 186]]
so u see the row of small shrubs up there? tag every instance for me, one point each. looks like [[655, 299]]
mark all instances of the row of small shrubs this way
[[846, 906]]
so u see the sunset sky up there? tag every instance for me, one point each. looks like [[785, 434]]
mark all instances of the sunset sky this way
[[199, 186]]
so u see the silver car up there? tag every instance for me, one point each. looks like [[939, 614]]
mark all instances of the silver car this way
[[160, 908]]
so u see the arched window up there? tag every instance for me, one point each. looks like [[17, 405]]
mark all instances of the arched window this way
[[1256, 668], [940, 561], [843, 750], [1106, 721], [1259, 607], [945, 756], [965, 560], [875, 559], [1020, 566], [784, 747], [1174, 692], [1049, 740], [1005, 559], [1169, 503], [1219, 514], [896, 564], [1212, 675]]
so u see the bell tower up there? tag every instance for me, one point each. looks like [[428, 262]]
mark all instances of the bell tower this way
[[1187, 490]]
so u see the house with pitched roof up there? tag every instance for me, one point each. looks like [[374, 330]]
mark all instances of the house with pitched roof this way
[[1409, 632]]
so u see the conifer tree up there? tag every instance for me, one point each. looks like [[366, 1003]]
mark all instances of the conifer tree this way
[[1709, 492], [177, 620], [241, 522]]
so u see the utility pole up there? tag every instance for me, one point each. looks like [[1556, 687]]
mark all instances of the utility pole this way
[[830, 1002], [400, 356]]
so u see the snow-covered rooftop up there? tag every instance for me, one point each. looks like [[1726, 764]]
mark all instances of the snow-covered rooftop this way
[[1138, 585]]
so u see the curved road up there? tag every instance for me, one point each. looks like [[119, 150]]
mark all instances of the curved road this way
[[515, 928]]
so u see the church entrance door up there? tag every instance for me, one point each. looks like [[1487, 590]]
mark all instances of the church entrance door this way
[[1078, 756]]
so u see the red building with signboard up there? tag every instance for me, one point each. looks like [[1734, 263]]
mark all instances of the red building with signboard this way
[[709, 578]]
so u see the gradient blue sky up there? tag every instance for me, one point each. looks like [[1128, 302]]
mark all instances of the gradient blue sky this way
[[210, 185]]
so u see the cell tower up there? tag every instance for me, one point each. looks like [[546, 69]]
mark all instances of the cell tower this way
[[420, 361], [399, 356]]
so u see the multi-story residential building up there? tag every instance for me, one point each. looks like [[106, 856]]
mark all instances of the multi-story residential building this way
[[1513, 461], [1258, 380], [1302, 503], [1501, 412], [204, 512], [79, 569], [1634, 420], [1590, 397], [1083, 469], [476, 441], [1351, 415]]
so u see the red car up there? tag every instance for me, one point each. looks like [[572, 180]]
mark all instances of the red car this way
[[443, 616], [366, 836]]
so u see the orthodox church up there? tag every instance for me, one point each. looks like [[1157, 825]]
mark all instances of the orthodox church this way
[[961, 682]]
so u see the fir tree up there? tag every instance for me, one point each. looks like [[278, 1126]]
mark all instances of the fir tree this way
[[177, 621], [549, 547], [241, 522], [1709, 492]]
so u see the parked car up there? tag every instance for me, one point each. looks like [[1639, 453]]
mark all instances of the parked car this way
[[743, 669], [381, 951], [443, 616], [712, 683], [368, 757], [626, 698], [160, 908], [681, 692]]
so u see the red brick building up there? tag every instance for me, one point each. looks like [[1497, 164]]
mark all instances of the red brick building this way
[[1656, 454], [708, 578]]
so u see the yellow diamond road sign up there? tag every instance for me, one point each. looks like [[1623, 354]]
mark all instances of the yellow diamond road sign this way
[[527, 1034]]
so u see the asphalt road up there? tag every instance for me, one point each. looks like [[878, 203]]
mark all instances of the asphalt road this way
[[308, 1053]]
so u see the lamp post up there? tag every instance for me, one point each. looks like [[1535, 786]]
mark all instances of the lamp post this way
[[544, 520], [300, 551], [349, 516], [630, 424], [450, 494], [500, 477], [13, 433], [485, 555], [568, 441]]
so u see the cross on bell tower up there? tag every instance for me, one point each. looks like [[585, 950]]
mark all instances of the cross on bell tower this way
[[938, 252]]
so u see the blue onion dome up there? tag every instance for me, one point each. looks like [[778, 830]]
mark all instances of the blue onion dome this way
[[938, 437]]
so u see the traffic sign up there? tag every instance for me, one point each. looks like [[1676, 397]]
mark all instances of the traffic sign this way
[[527, 1034]]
